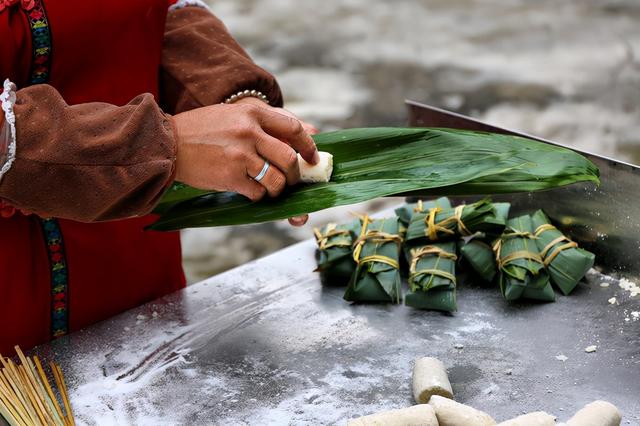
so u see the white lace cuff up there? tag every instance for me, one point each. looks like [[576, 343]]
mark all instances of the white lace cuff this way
[[184, 3], [8, 131]]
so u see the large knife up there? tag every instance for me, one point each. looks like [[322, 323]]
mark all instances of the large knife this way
[[605, 220]]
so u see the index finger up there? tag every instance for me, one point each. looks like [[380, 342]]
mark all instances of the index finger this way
[[290, 130]]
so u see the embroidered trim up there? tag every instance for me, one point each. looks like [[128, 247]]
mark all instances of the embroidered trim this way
[[59, 277], [52, 233], [41, 42], [186, 3], [8, 100]]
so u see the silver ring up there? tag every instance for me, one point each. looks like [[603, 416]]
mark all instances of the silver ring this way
[[263, 172]]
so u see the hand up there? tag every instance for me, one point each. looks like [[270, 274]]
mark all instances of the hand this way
[[221, 147], [309, 128]]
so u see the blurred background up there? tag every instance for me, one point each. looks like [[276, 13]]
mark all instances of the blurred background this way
[[564, 70]]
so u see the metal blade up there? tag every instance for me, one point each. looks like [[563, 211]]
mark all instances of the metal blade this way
[[603, 220]]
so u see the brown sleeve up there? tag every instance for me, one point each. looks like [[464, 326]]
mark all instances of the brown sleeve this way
[[88, 162], [203, 65]]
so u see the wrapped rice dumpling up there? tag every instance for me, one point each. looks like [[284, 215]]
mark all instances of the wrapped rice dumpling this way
[[445, 224], [478, 251], [565, 261], [479, 255], [522, 274], [432, 279], [335, 262], [405, 212], [376, 253]]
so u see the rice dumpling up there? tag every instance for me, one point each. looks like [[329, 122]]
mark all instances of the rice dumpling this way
[[449, 224], [565, 261], [335, 262], [522, 274], [376, 252], [432, 277]]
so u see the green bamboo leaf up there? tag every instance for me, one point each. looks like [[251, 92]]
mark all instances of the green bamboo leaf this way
[[177, 193], [479, 255], [377, 162]]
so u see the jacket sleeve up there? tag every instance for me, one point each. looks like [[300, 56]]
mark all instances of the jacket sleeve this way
[[203, 65], [88, 162]]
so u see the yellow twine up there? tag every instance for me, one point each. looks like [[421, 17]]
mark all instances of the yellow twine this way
[[381, 259], [568, 245], [544, 227], [375, 237], [419, 208], [461, 227], [417, 254], [521, 254], [433, 228], [331, 231], [437, 272]]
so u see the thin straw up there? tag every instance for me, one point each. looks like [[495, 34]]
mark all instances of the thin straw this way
[[13, 379], [57, 374], [31, 394], [44, 380], [35, 386], [9, 396], [9, 407], [27, 397]]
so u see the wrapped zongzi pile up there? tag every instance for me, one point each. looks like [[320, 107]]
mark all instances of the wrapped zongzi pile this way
[[376, 253], [522, 274], [334, 255], [432, 280], [523, 256], [565, 261]]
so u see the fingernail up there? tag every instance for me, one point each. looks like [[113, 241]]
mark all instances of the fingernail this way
[[316, 157]]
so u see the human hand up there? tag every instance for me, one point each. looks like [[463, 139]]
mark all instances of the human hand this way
[[309, 128], [221, 147]]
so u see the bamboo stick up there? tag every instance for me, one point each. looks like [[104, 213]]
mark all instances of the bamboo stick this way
[[27, 396], [9, 407], [62, 387], [14, 381], [12, 405], [44, 380], [33, 396], [48, 405], [36, 386]]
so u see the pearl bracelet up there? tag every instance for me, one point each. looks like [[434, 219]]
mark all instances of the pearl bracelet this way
[[246, 94]]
